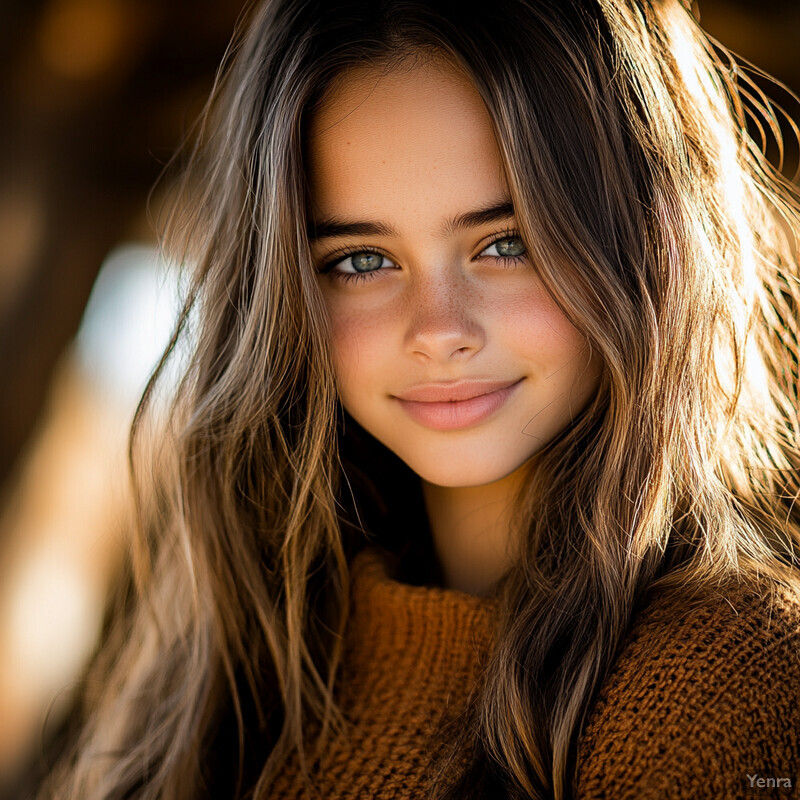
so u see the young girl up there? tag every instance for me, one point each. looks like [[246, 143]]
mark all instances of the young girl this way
[[486, 456]]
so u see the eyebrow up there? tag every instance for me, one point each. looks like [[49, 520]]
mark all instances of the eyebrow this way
[[328, 228]]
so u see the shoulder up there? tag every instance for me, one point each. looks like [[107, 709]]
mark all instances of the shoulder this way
[[701, 702]]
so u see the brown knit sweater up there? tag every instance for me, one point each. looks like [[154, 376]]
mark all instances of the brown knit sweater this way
[[702, 705]]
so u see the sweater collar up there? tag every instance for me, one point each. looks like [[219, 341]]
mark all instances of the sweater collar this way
[[411, 643]]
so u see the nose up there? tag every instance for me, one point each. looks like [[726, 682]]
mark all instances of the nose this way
[[443, 319]]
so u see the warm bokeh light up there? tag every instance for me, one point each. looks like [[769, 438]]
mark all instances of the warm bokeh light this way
[[83, 38]]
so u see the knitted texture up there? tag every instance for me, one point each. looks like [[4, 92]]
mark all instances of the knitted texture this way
[[412, 654], [705, 704], [701, 705]]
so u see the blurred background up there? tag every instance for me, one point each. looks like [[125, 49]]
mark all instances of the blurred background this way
[[95, 96]]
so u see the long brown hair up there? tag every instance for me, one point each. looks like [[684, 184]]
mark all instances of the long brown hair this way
[[661, 231]]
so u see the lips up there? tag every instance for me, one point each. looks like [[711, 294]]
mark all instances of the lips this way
[[448, 392], [444, 415]]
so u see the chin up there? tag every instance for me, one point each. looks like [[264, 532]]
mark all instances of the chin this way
[[458, 473]]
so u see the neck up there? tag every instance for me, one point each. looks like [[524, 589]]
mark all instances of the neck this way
[[472, 531]]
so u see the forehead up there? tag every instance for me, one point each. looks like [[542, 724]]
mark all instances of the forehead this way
[[389, 142]]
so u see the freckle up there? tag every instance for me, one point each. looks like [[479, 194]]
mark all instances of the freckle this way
[[384, 161]]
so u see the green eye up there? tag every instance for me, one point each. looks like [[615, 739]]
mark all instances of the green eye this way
[[508, 247], [357, 265], [366, 262]]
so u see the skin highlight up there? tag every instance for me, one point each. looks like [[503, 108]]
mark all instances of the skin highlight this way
[[404, 154]]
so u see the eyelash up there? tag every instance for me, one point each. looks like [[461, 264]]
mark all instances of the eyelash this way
[[328, 267]]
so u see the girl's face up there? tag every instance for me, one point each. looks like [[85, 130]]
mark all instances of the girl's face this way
[[427, 283]]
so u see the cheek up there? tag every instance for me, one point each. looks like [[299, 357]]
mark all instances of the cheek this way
[[557, 355], [535, 326], [360, 346]]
